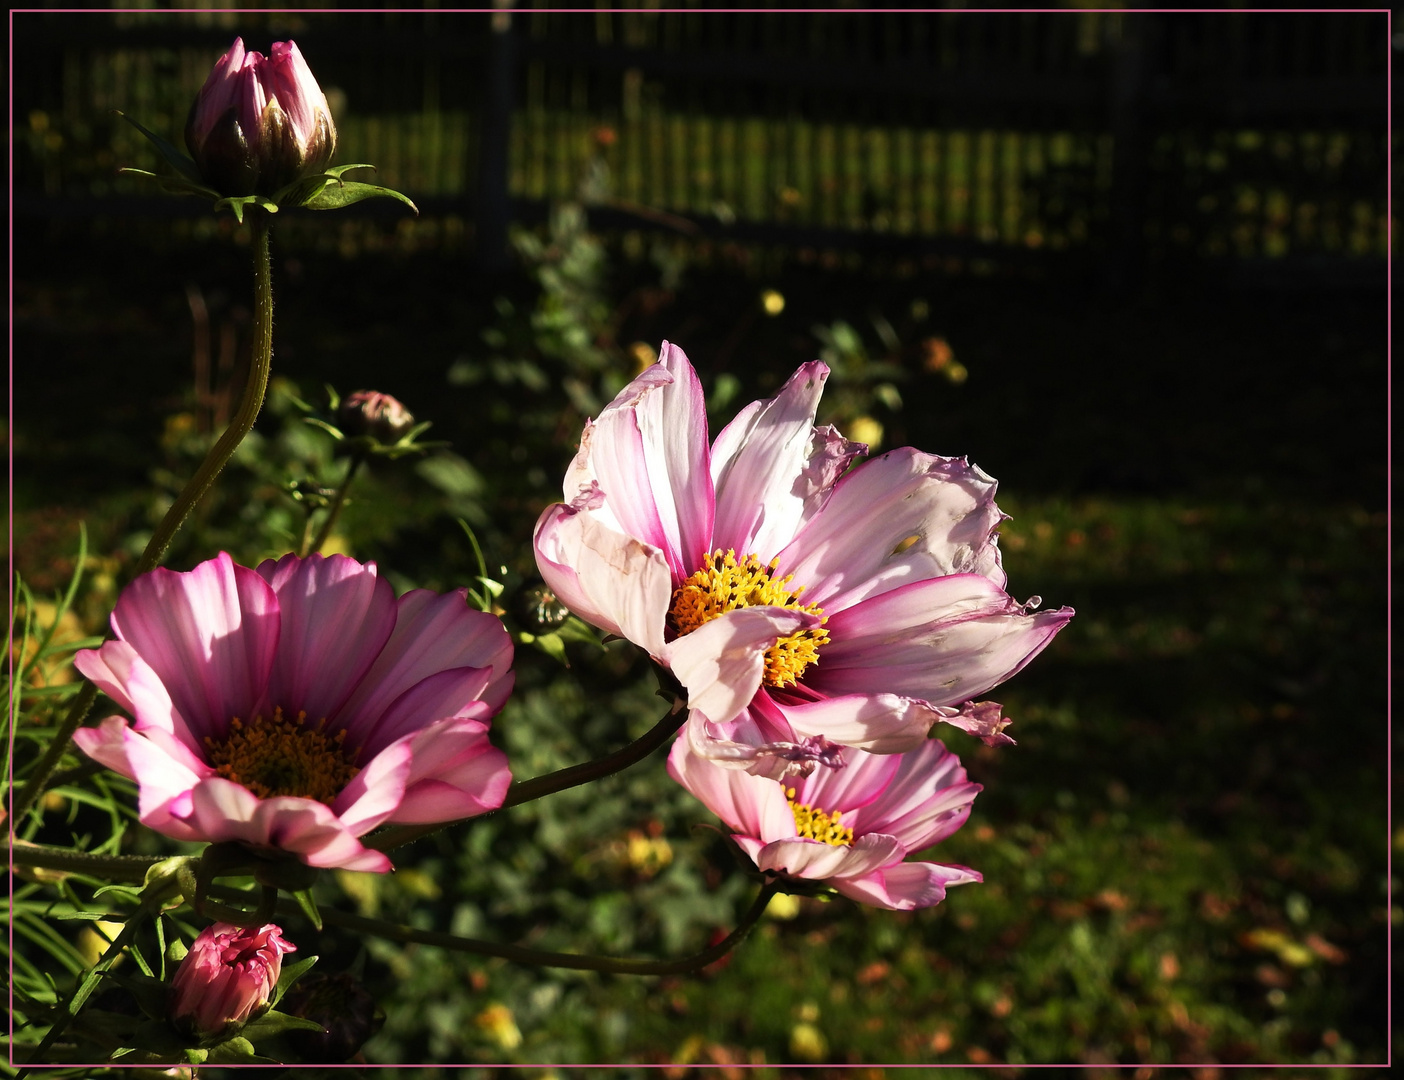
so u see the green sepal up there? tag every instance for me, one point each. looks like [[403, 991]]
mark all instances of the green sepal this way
[[196, 1056], [551, 644], [336, 172], [309, 906], [335, 196], [331, 429], [237, 204], [237, 1051], [577, 629], [274, 1023], [182, 163], [174, 185], [289, 975]]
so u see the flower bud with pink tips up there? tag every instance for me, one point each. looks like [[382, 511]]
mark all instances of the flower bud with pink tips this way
[[227, 979], [260, 133], [259, 123]]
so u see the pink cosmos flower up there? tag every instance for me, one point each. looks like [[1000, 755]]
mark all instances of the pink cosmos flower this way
[[227, 978], [259, 123], [800, 605], [851, 827], [298, 706]]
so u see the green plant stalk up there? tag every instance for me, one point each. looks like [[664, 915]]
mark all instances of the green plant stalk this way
[[260, 363], [107, 867], [615, 965], [334, 510], [537, 787], [134, 868]]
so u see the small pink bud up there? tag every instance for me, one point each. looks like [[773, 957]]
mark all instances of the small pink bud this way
[[259, 122], [227, 978], [369, 412]]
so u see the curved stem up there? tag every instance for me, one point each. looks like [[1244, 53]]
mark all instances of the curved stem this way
[[109, 867], [334, 510], [260, 362], [616, 965], [537, 787]]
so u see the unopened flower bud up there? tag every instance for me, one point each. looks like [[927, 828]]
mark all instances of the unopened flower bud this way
[[371, 413], [227, 978], [345, 1009], [259, 122]]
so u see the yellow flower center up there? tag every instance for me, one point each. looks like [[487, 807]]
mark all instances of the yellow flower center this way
[[816, 824], [723, 585], [278, 756]]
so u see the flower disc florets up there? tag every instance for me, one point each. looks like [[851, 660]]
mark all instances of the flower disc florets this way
[[723, 585]]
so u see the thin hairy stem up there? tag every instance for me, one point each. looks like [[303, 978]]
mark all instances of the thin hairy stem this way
[[616, 965], [334, 510], [260, 362], [537, 787]]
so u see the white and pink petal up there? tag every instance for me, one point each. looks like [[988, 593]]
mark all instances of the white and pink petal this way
[[905, 886]]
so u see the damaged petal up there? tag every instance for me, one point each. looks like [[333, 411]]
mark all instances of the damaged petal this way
[[983, 719]]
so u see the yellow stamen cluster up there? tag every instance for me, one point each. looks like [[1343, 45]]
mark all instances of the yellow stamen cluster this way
[[278, 756], [817, 824], [724, 584]]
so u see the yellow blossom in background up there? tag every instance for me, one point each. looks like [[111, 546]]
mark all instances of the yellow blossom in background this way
[[499, 1025], [643, 355], [865, 429]]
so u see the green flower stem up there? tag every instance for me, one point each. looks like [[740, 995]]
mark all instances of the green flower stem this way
[[134, 868], [615, 965], [537, 787], [107, 867], [334, 510], [250, 403]]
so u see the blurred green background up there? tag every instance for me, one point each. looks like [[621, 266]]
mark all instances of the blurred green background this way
[[1132, 265]]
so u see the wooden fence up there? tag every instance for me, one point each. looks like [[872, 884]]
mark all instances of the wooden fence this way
[[1130, 139]]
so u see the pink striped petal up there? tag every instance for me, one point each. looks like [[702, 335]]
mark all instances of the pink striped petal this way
[[611, 580], [441, 696], [673, 423], [818, 861], [129, 681], [849, 550], [222, 810], [751, 805], [758, 462], [944, 640], [876, 722], [162, 777], [433, 633], [375, 792], [613, 458], [926, 800], [905, 886], [456, 773], [861, 779], [721, 662], [210, 636], [336, 616]]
